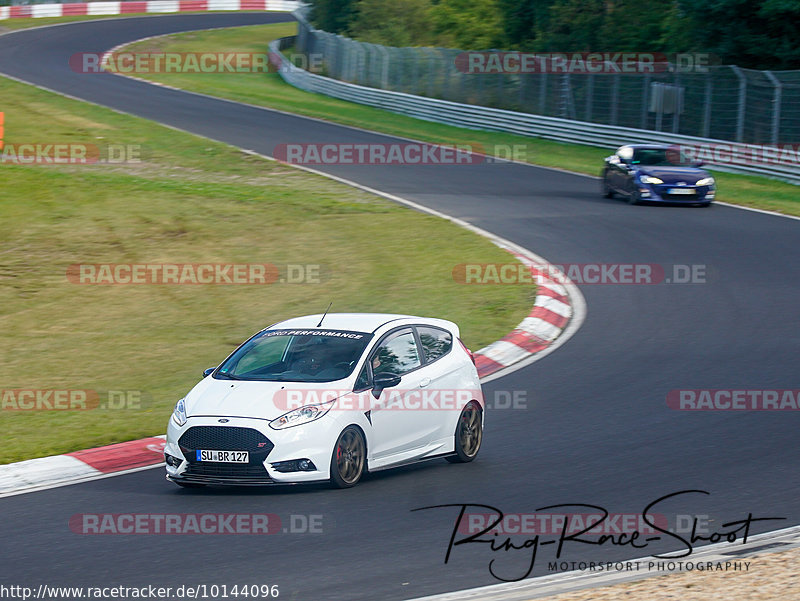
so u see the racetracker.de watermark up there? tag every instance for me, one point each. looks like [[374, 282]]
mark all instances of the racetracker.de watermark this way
[[543, 523], [578, 273], [139, 62], [195, 273], [61, 153], [390, 399], [586, 63], [53, 399], [734, 400], [730, 153], [195, 523]]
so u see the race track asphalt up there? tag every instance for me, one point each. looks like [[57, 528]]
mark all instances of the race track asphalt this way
[[596, 429]]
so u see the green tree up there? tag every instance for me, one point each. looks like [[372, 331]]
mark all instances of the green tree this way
[[334, 16], [633, 26], [392, 22], [761, 34], [523, 21], [573, 26], [468, 24]]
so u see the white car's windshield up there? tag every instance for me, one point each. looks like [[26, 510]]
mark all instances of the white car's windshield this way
[[313, 355]]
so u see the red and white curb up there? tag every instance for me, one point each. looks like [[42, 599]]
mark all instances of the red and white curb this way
[[146, 6], [550, 315], [80, 466]]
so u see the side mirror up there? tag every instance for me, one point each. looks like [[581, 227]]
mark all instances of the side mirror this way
[[207, 372], [613, 159], [384, 380]]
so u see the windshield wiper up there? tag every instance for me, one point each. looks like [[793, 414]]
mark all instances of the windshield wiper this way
[[228, 376]]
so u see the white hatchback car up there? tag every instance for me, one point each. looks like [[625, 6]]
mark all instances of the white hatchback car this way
[[329, 397]]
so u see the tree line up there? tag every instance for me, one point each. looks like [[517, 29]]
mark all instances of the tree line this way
[[757, 34]]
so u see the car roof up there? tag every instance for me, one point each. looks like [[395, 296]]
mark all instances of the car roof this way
[[358, 322]]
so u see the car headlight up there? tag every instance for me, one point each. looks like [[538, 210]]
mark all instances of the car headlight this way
[[649, 179], [706, 181], [301, 415], [179, 414]]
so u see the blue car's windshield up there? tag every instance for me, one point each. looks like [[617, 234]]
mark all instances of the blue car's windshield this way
[[660, 157], [313, 355]]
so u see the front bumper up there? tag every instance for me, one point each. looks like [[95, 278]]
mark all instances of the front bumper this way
[[264, 445], [668, 193]]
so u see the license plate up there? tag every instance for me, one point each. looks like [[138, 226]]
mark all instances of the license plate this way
[[681, 191], [224, 456]]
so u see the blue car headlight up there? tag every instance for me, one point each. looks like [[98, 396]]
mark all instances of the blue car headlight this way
[[649, 179], [179, 413], [706, 181]]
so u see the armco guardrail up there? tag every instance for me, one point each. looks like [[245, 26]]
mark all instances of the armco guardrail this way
[[526, 124]]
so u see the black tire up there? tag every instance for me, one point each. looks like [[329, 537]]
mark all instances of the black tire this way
[[349, 458], [633, 194], [607, 191], [468, 434]]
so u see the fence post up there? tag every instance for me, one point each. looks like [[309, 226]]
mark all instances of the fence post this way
[[707, 108], [615, 100], [776, 107], [384, 67], [645, 100], [678, 108], [742, 103], [543, 93]]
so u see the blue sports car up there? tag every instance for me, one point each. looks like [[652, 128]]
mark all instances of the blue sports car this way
[[656, 173]]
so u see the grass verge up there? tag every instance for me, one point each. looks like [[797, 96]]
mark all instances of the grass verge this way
[[189, 200], [269, 90]]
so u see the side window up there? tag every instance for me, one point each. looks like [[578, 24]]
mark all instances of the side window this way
[[398, 354], [363, 381], [435, 342]]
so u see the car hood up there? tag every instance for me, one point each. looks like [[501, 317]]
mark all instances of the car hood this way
[[260, 400], [674, 175]]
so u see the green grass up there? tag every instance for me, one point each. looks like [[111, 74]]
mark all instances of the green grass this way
[[191, 200], [269, 90]]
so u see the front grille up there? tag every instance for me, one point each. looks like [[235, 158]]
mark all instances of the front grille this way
[[225, 438], [224, 469], [678, 197], [226, 472]]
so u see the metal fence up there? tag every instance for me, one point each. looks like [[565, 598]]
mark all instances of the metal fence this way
[[487, 118], [723, 102]]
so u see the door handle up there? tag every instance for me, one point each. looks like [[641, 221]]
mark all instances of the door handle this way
[[424, 382]]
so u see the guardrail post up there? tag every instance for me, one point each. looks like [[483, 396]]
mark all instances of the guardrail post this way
[[742, 103], [776, 107]]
